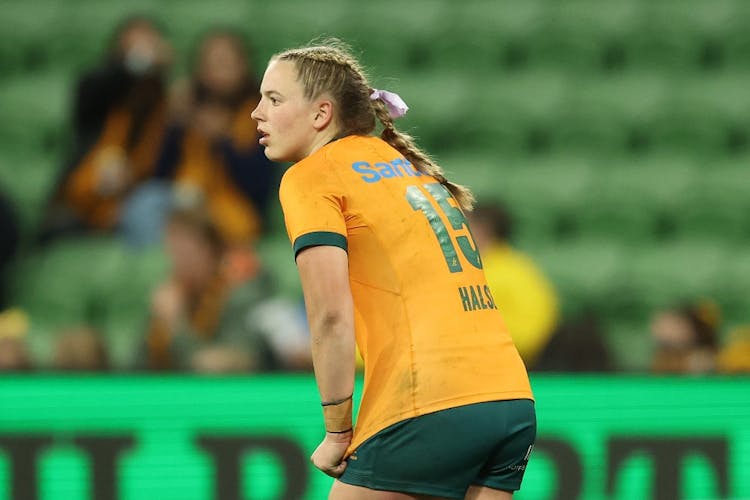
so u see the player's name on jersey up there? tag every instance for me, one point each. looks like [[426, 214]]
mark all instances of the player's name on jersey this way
[[385, 170], [476, 298]]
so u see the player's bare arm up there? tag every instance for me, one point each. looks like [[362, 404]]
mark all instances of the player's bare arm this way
[[324, 273]]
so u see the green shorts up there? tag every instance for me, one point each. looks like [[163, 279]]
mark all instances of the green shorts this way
[[443, 453]]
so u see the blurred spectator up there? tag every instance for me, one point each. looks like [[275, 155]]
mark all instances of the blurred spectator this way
[[525, 297], [204, 319], [211, 150], [685, 339], [283, 325], [14, 355], [578, 345], [734, 357], [80, 350], [119, 118], [9, 240]]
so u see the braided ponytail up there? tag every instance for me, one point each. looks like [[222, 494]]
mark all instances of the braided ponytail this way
[[405, 145], [330, 67]]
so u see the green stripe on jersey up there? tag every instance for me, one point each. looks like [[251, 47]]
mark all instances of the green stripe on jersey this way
[[319, 238]]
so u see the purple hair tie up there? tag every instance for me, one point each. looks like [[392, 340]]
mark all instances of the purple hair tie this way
[[396, 106]]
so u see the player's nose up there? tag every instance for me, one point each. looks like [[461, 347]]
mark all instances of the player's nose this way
[[256, 114]]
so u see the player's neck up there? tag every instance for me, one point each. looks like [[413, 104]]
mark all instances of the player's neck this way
[[323, 138]]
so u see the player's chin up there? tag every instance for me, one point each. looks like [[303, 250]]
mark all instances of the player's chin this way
[[271, 153], [278, 155]]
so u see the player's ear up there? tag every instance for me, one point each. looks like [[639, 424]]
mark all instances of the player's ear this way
[[323, 114]]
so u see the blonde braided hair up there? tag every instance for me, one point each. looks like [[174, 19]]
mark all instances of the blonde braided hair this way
[[329, 67]]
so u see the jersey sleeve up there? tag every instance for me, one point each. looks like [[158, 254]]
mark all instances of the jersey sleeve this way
[[312, 201]]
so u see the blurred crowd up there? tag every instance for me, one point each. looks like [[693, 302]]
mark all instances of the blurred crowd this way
[[176, 163]]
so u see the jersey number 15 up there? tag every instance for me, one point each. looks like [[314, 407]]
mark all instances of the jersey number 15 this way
[[420, 201]]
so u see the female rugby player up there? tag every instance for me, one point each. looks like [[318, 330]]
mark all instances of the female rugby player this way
[[385, 255]]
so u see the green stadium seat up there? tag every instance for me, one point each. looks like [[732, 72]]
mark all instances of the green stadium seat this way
[[581, 36], [25, 34], [372, 30], [680, 127], [47, 36], [494, 34], [508, 115], [629, 199], [588, 274], [732, 286], [707, 114], [550, 179], [664, 275], [27, 178], [35, 110], [514, 114], [682, 36], [612, 114], [543, 195], [737, 40], [717, 206], [621, 219], [703, 220]]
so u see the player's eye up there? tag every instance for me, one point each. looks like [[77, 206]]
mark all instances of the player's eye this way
[[274, 101]]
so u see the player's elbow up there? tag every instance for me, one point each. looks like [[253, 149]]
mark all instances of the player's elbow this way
[[330, 322], [329, 318]]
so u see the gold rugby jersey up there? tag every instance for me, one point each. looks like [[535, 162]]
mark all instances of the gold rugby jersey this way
[[425, 320]]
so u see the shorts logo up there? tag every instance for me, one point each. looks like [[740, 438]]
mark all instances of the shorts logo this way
[[522, 466]]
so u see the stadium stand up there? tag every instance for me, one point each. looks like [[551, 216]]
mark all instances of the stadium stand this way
[[618, 134]]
